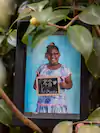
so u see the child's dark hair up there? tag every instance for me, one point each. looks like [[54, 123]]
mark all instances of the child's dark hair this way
[[51, 46]]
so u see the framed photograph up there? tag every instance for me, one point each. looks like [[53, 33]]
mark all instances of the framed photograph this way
[[51, 80]]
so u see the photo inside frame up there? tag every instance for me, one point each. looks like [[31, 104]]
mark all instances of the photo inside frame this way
[[68, 101]]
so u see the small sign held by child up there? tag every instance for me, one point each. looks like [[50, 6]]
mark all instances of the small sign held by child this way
[[47, 86]]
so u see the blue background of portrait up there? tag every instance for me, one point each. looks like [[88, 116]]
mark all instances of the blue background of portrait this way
[[69, 57]]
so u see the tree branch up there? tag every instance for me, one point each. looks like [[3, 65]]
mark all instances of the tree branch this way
[[97, 30], [75, 11], [71, 22], [18, 114], [60, 2], [57, 26], [66, 26]]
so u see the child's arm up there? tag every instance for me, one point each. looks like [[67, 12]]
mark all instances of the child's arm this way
[[34, 86]]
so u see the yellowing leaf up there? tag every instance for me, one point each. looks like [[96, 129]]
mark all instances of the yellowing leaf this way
[[63, 127], [95, 115], [89, 129]]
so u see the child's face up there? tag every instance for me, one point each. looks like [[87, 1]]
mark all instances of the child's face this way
[[53, 56]]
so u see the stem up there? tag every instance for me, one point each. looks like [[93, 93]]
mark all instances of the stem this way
[[18, 114], [71, 22], [11, 26], [59, 2], [66, 26], [57, 26], [91, 1], [86, 122], [97, 30], [75, 11]]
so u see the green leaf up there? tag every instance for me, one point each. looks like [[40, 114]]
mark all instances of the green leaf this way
[[89, 129], [95, 115], [58, 15], [35, 132], [1, 29], [12, 38], [41, 34], [91, 15], [5, 47], [38, 6], [79, 7], [15, 130], [5, 12], [42, 16], [47, 15], [63, 127], [81, 39], [3, 74], [5, 114], [25, 13], [1, 39], [28, 31], [93, 62]]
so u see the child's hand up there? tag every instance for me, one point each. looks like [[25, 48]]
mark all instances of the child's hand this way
[[61, 82], [60, 79], [65, 82]]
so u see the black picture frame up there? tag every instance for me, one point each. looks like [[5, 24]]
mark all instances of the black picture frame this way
[[19, 85]]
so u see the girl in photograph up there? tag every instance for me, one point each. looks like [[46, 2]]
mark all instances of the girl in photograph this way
[[54, 104]]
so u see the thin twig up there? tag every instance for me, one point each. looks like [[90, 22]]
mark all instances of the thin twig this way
[[57, 26], [60, 3], [18, 114], [75, 11], [71, 22], [66, 26], [97, 30], [86, 122]]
